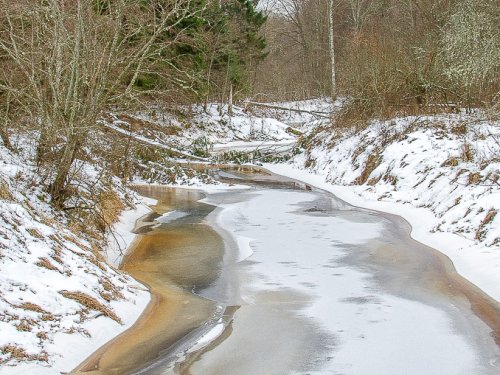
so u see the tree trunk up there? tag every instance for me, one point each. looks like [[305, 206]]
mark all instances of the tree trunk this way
[[43, 147], [5, 137], [58, 187], [332, 49], [4, 133], [230, 101]]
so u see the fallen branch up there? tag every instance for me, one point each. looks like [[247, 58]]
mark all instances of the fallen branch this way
[[149, 142], [314, 113]]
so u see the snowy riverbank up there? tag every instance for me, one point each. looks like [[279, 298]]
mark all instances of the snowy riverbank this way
[[476, 262], [59, 299], [121, 236]]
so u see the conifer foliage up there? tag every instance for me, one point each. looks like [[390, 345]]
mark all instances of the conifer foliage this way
[[65, 63]]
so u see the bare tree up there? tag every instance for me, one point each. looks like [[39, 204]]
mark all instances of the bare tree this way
[[360, 11], [332, 48], [298, 63], [470, 46], [76, 59]]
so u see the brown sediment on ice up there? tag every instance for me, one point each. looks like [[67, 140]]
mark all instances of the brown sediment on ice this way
[[434, 271], [170, 261]]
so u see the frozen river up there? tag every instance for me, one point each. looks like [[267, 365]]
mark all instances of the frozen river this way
[[307, 284]]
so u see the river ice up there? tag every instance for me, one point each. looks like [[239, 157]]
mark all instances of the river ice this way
[[298, 274]]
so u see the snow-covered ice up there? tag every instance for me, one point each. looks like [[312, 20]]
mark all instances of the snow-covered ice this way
[[299, 250]]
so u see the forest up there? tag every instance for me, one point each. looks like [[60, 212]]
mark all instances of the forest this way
[[188, 177], [66, 63]]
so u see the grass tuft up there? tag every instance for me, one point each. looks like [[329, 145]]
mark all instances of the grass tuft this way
[[91, 303], [45, 263], [32, 307]]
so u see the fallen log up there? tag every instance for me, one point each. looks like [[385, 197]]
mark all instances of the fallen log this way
[[273, 106], [149, 142]]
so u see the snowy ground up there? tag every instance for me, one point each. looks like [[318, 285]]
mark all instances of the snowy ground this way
[[427, 162], [203, 131], [300, 112], [59, 300]]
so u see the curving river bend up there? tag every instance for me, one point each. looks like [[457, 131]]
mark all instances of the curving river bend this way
[[280, 278]]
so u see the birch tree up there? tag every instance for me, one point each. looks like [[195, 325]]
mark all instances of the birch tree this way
[[332, 48]]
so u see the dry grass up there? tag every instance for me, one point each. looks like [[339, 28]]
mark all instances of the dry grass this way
[[45, 262], [18, 353], [5, 193], [474, 178], [460, 129], [49, 221], [32, 307], [91, 303], [57, 239], [372, 162], [79, 330], [26, 325], [111, 289], [57, 258], [48, 317], [35, 233], [480, 233], [466, 152], [111, 207], [42, 336], [451, 162], [92, 258]]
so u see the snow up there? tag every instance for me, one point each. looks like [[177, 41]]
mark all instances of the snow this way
[[208, 337], [294, 250], [476, 262], [215, 129], [245, 250], [42, 330], [171, 216], [301, 112], [242, 146], [121, 236], [147, 140], [422, 162], [222, 127]]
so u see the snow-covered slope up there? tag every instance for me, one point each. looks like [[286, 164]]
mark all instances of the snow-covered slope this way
[[200, 128], [301, 112], [447, 164], [59, 299], [441, 173]]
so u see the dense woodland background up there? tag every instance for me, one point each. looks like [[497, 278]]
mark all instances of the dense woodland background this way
[[66, 63], [389, 53]]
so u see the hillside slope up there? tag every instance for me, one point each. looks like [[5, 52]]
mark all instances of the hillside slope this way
[[448, 164], [59, 299]]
